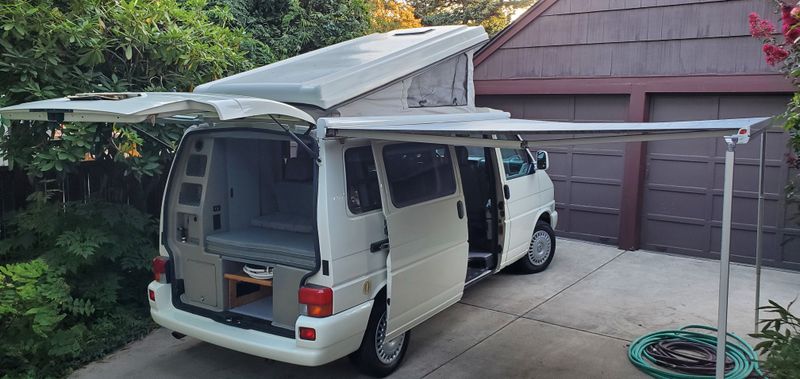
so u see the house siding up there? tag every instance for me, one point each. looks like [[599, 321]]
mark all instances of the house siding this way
[[668, 38]]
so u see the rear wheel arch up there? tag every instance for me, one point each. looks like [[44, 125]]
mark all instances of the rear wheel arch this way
[[545, 217]]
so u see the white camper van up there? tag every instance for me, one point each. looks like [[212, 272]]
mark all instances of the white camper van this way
[[323, 206]]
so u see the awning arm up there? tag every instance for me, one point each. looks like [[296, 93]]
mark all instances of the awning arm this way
[[296, 139]]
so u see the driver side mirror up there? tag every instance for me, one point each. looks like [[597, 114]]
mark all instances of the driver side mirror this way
[[542, 160]]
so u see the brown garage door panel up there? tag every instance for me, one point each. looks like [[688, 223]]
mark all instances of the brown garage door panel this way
[[683, 185], [593, 224], [743, 246], [675, 202], [587, 179], [678, 172], [676, 236], [595, 195]]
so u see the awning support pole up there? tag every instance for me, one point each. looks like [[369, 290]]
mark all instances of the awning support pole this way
[[760, 225], [725, 258]]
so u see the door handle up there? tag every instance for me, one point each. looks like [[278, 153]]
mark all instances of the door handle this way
[[506, 192], [379, 246], [460, 209]]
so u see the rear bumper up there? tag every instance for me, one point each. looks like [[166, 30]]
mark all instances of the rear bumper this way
[[337, 335]]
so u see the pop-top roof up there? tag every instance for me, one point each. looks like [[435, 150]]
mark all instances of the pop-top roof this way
[[344, 71]]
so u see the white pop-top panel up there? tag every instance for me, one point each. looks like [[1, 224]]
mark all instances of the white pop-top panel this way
[[141, 106], [344, 71]]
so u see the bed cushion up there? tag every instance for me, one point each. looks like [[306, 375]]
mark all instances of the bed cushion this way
[[274, 246], [284, 221]]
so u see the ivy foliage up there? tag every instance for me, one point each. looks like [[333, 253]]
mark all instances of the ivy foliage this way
[[67, 280], [780, 342]]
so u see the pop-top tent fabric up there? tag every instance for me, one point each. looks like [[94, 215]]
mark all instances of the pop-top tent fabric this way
[[384, 73]]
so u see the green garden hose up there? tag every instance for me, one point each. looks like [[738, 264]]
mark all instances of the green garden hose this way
[[684, 354]]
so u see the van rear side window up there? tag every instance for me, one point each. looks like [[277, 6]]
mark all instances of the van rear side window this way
[[363, 192], [418, 172]]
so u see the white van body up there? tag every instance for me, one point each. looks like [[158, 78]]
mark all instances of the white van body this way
[[416, 255], [364, 177], [429, 274]]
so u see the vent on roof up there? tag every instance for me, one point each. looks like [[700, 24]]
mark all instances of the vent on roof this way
[[412, 32]]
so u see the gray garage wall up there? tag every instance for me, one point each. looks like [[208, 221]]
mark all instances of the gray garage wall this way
[[683, 184], [587, 179]]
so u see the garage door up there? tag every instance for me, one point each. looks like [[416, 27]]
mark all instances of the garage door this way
[[683, 185], [587, 179]]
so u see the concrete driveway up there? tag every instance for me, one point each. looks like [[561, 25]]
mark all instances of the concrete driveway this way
[[574, 320]]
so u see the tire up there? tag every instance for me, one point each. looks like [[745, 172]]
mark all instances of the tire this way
[[369, 358], [541, 250]]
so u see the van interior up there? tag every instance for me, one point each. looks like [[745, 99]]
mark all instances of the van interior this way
[[478, 179], [246, 202]]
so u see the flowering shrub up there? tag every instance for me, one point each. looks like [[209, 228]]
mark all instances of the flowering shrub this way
[[783, 51]]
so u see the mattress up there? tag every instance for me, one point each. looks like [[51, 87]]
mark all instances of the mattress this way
[[268, 245]]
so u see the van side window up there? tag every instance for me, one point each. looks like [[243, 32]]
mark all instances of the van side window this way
[[516, 162], [363, 192], [418, 172]]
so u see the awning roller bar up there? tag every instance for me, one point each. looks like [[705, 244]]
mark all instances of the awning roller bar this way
[[525, 143], [446, 129]]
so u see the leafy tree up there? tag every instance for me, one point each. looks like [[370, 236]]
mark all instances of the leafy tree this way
[[291, 27], [72, 287], [52, 48], [73, 274], [392, 14], [493, 15]]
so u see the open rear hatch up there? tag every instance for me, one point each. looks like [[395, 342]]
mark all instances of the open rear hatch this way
[[241, 193], [135, 107]]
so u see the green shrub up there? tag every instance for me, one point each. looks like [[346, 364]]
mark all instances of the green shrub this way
[[781, 343], [73, 285]]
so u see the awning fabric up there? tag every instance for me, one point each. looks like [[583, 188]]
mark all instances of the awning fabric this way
[[461, 130]]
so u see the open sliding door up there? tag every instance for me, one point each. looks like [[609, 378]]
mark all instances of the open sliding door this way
[[427, 225]]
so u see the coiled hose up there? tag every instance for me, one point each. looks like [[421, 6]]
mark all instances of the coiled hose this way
[[685, 354]]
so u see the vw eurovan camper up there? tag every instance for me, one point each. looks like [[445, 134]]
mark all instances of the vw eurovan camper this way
[[322, 206], [366, 237]]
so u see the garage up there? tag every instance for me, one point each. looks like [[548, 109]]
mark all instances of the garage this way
[[681, 211], [639, 61]]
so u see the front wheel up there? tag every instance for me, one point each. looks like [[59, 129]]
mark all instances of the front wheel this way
[[376, 356], [540, 251]]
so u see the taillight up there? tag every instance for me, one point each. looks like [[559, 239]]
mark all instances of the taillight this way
[[308, 333], [318, 300], [160, 264], [151, 294]]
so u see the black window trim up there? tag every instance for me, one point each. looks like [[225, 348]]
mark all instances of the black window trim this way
[[350, 211], [424, 200]]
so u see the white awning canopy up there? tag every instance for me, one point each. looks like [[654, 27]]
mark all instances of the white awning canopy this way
[[459, 130], [138, 107]]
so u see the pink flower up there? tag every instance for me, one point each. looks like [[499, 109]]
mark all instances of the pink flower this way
[[774, 54], [760, 27], [795, 12], [791, 31]]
